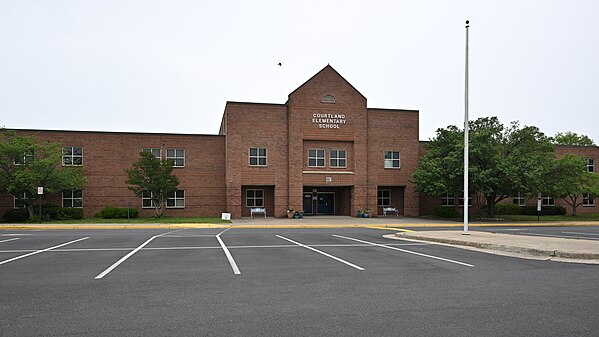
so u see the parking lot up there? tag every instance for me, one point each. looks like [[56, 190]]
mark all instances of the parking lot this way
[[292, 282]]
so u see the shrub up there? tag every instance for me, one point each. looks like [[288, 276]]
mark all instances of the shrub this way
[[446, 212], [70, 213], [16, 215], [110, 212], [545, 210], [507, 209]]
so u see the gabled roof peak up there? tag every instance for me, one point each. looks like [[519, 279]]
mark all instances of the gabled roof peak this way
[[327, 67]]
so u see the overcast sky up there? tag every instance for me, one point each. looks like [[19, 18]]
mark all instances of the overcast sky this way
[[171, 65]]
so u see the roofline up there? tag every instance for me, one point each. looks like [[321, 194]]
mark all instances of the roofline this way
[[578, 146], [402, 110], [328, 66], [255, 103], [117, 132]]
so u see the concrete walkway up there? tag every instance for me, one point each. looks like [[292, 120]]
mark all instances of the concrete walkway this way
[[538, 247]]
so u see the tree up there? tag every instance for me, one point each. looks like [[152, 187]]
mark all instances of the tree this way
[[571, 180], [26, 165], [503, 161], [153, 177], [571, 138]]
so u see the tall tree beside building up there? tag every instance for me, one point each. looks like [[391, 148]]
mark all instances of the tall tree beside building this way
[[152, 177], [571, 180], [26, 165], [571, 138], [503, 161]]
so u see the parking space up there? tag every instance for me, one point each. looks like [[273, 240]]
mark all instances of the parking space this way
[[217, 251], [342, 281]]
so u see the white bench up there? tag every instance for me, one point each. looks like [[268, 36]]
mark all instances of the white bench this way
[[257, 210], [390, 210]]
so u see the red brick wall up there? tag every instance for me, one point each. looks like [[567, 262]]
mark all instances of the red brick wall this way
[[107, 154]]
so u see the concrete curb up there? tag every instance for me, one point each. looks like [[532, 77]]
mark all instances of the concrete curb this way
[[504, 248]]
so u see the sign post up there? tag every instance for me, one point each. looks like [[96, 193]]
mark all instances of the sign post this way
[[40, 192], [539, 204]]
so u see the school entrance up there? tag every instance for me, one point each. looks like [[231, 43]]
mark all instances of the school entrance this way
[[326, 200]]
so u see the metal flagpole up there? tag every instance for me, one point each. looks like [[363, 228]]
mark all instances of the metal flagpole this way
[[466, 130]]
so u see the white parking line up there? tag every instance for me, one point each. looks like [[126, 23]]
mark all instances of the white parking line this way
[[321, 252], [228, 254], [406, 251], [13, 239], [116, 264], [41, 251]]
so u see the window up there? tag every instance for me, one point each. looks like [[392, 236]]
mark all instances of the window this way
[[587, 200], [176, 199], [258, 156], [146, 199], [548, 201], [254, 198], [461, 201], [392, 159], [72, 156], [315, 158], [328, 99], [338, 158], [20, 200], [384, 198], [447, 200], [520, 200], [156, 152], [27, 157], [72, 199], [591, 164], [178, 155]]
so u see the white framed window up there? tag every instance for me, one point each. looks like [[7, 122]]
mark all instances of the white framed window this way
[[177, 155], [27, 157], [338, 158], [316, 158], [258, 156], [392, 159], [519, 200], [587, 200], [72, 199], [72, 156], [156, 152], [20, 200], [384, 198], [548, 201], [461, 201], [254, 198], [591, 164], [328, 99], [146, 199], [176, 199], [448, 200]]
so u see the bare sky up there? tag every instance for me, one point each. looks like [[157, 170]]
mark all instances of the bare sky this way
[[171, 65]]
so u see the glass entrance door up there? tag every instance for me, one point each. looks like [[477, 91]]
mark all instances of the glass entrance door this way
[[326, 203]]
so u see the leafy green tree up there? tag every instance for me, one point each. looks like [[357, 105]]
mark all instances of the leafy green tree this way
[[571, 138], [570, 180], [26, 165], [152, 176], [503, 161]]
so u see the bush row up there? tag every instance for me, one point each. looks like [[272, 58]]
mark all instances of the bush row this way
[[52, 212], [509, 209]]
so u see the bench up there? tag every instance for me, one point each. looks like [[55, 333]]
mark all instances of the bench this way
[[390, 210], [257, 210]]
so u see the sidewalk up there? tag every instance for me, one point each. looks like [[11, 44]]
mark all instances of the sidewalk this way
[[538, 247]]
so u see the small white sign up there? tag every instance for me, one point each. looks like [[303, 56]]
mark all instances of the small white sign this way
[[329, 179], [40, 190], [538, 205], [225, 216]]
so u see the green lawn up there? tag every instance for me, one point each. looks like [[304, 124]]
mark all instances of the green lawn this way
[[580, 217], [142, 220]]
